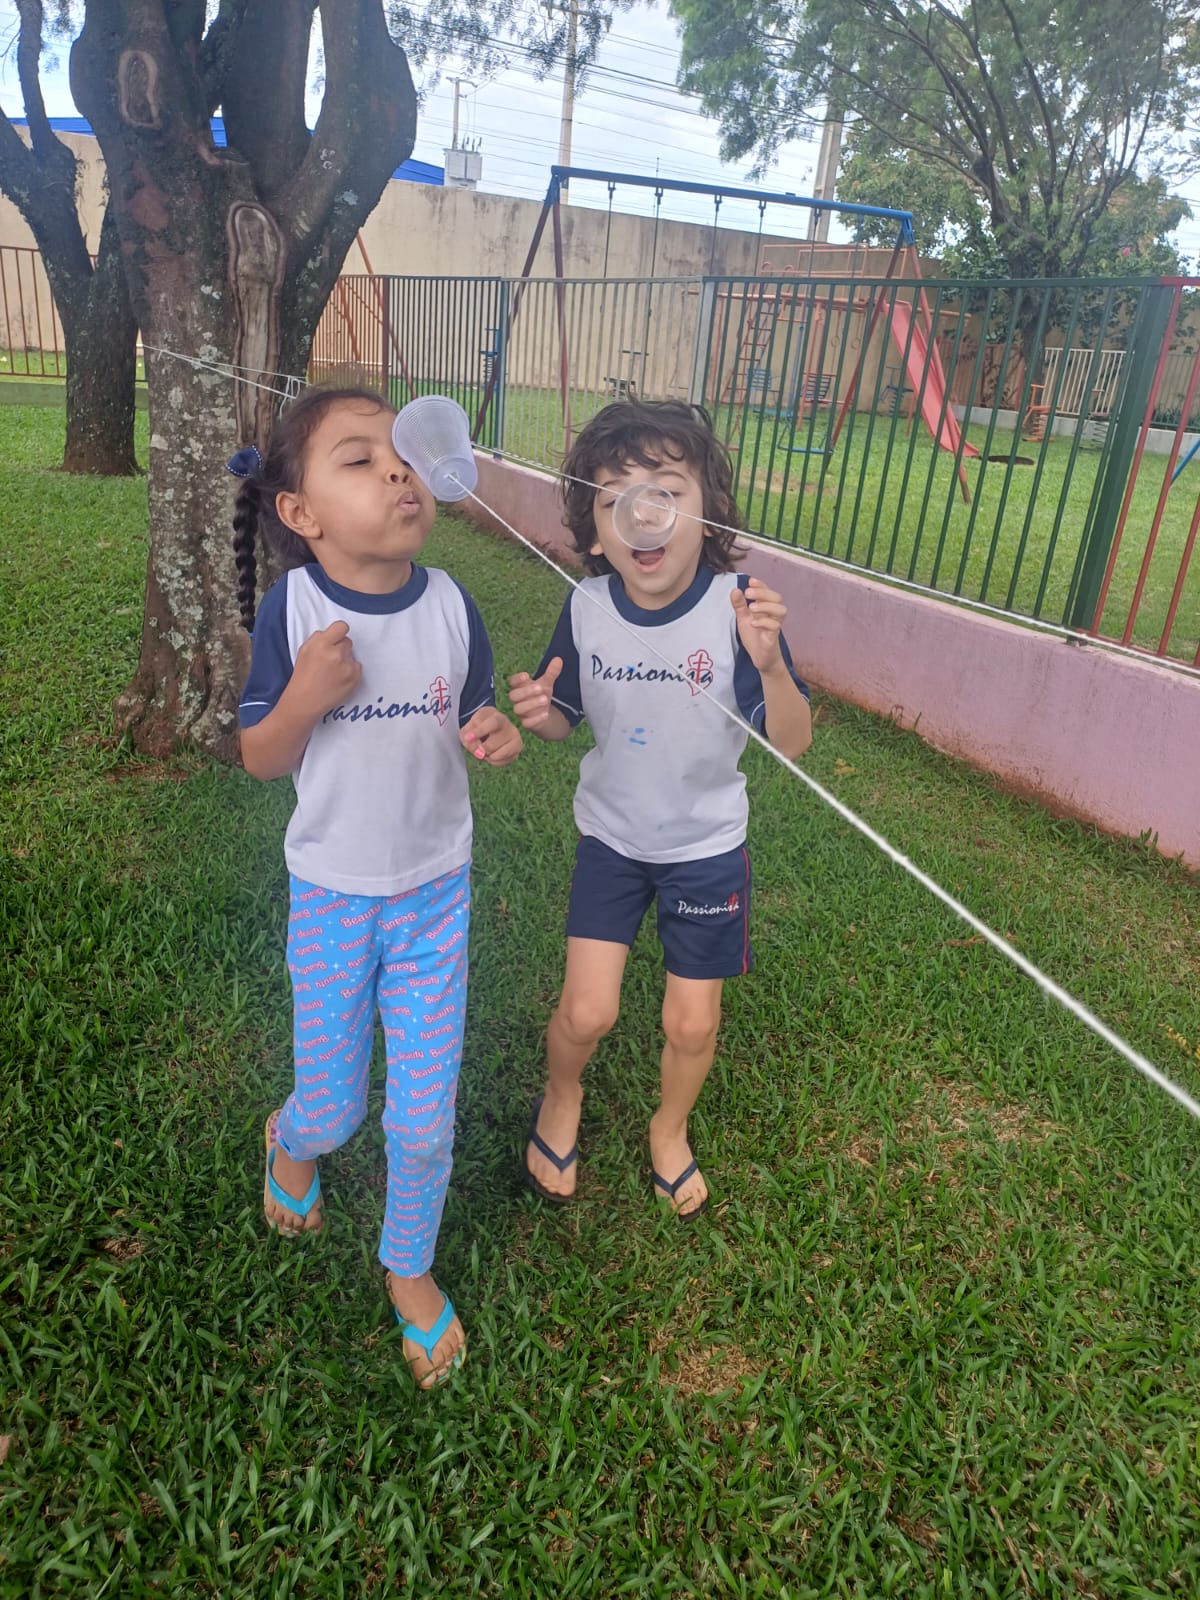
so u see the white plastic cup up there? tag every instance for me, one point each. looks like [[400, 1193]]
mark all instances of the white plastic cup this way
[[433, 434], [644, 516]]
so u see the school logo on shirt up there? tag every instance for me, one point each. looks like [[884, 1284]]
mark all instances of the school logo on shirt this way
[[697, 673], [437, 701], [700, 670]]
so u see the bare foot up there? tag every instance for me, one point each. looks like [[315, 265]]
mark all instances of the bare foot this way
[[421, 1302], [558, 1127], [295, 1178], [670, 1155]]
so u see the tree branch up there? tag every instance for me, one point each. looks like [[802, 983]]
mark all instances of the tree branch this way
[[367, 123], [264, 117], [40, 177]]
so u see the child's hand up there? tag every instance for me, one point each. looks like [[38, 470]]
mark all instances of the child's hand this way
[[760, 613], [326, 671], [491, 737], [532, 697]]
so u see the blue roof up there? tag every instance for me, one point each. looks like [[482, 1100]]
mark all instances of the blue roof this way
[[409, 171]]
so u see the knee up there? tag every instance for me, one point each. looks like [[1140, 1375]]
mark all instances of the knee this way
[[585, 1018], [419, 1137], [690, 1030]]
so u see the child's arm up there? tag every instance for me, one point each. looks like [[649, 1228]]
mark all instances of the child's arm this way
[[544, 705], [324, 674], [787, 718], [532, 701], [483, 729]]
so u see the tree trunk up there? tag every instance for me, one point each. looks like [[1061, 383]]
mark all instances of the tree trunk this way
[[101, 340], [225, 276]]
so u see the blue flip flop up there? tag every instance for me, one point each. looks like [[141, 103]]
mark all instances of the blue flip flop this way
[[272, 1190], [561, 1162], [672, 1189], [428, 1338]]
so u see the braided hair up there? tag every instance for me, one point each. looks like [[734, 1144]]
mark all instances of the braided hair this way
[[281, 471]]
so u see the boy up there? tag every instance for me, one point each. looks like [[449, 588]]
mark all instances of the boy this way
[[661, 805]]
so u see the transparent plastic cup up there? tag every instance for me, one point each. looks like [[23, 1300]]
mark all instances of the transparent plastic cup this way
[[644, 516], [433, 434]]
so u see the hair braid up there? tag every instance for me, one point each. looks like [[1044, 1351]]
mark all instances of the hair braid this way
[[245, 531]]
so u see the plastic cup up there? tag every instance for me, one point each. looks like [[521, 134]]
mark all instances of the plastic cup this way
[[644, 516], [432, 433]]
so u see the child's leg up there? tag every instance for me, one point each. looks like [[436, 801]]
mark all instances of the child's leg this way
[[704, 925], [422, 999], [609, 897], [586, 1011], [691, 1017], [332, 960]]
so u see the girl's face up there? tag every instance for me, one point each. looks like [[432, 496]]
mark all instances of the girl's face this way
[[653, 578], [365, 512]]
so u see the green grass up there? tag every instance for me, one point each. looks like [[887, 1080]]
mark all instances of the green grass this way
[[938, 1337]]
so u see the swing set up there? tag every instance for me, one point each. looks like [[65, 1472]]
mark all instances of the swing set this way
[[764, 306]]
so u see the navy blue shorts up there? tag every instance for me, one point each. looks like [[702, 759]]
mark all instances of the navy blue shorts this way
[[703, 907]]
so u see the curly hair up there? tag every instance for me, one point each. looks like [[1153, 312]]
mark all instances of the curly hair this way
[[645, 433], [282, 471]]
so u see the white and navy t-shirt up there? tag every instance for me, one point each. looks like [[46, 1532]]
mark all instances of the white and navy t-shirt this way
[[662, 783], [381, 790]]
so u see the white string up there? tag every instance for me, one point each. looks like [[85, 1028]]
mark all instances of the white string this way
[[1047, 984], [226, 369], [1074, 635], [997, 941]]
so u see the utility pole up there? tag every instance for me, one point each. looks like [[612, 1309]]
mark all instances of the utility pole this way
[[568, 97], [458, 82], [827, 168]]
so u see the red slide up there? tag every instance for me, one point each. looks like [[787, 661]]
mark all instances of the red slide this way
[[933, 396]]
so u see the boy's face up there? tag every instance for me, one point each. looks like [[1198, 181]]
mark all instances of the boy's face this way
[[653, 578]]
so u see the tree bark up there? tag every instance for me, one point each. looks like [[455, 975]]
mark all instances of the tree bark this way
[[99, 330], [229, 277], [100, 333]]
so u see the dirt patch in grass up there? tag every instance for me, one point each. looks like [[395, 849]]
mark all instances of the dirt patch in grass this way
[[709, 1369], [951, 1117]]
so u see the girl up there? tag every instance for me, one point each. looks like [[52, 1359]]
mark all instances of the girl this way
[[369, 676], [661, 805]]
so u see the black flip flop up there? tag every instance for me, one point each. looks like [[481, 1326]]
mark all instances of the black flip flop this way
[[561, 1162], [672, 1189]]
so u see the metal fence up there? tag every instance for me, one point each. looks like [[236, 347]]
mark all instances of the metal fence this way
[[31, 341], [995, 442]]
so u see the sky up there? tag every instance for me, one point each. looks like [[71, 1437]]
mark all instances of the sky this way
[[629, 117]]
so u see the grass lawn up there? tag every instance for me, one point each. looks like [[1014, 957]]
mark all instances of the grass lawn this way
[[937, 1337]]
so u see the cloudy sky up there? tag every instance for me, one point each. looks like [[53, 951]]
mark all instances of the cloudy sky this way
[[629, 117]]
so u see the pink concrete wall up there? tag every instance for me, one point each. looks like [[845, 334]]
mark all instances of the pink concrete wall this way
[[1108, 739]]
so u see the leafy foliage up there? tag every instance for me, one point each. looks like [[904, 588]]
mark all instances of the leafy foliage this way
[[1042, 138], [486, 37]]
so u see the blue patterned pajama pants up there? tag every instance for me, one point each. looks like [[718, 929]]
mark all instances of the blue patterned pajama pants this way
[[404, 956]]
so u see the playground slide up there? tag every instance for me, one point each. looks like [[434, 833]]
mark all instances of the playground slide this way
[[933, 395]]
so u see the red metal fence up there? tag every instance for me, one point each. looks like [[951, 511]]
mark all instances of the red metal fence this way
[[31, 341]]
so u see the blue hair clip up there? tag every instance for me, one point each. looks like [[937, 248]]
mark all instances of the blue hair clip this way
[[245, 463]]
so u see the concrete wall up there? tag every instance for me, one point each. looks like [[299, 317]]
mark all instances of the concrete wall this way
[[1104, 738], [419, 229]]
